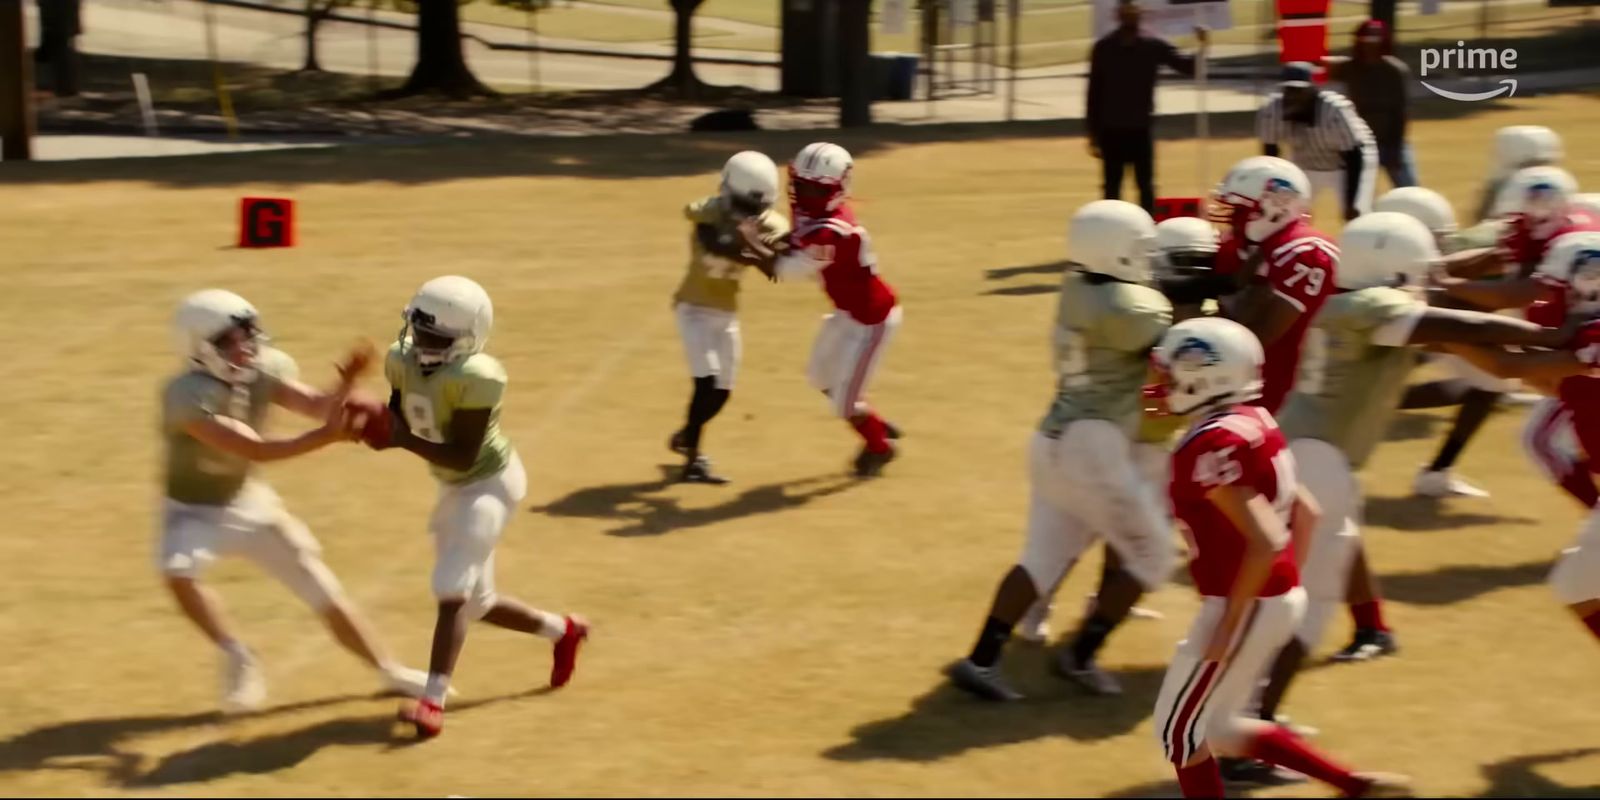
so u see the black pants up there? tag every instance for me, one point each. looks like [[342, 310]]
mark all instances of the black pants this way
[[1119, 148]]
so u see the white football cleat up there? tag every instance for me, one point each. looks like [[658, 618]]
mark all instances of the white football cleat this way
[[1442, 483], [243, 688]]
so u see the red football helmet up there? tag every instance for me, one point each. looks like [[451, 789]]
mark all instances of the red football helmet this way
[[819, 179]]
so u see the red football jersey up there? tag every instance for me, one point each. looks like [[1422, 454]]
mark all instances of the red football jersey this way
[[1300, 265], [1240, 446], [848, 267], [1581, 393], [1526, 247]]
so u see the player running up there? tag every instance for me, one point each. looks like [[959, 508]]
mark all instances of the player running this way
[[1351, 380], [445, 407], [1572, 374], [829, 244], [1084, 483], [706, 302], [216, 505], [1247, 521]]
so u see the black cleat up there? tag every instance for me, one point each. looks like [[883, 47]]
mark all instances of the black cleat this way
[[1368, 644], [984, 682], [678, 444], [1253, 772], [699, 471], [891, 431], [870, 464]]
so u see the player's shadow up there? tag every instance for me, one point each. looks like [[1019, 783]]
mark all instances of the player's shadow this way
[[1518, 776], [1447, 585], [1409, 426], [639, 509], [1054, 268], [1430, 514], [945, 721], [97, 745]]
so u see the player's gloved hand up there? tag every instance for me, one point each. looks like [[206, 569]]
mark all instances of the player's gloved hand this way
[[370, 421]]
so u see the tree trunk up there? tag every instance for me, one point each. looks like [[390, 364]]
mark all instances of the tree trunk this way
[[856, 88], [441, 65], [16, 85], [682, 79], [315, 13]]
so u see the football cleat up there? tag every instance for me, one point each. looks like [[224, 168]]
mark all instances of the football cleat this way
[[1442, 483], [566, 651], [1383, 784], [870, 464], [1255, 772], [678, 444], [426, 716], [1090, 676], [984, 682], [699, 471], [891, 431], [1367, 645], [243, 687]]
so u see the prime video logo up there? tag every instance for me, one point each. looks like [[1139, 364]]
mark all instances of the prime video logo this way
[[1459, 58]]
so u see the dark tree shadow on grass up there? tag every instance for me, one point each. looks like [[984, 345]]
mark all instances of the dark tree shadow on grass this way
[[641, 512]]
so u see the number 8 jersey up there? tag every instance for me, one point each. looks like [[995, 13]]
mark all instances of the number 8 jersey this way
[[1241, 446], [1104, 331], [430, 401]]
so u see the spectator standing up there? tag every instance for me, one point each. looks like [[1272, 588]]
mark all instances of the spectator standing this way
[[1121, 101], [1377, 84]]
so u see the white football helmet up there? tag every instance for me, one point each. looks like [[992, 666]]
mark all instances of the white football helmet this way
[[1542, 195], [448, 319], [749, 183], [1219, 210], [1185, 245], [1385, 248], [819, 179], [1210, 362], [203, 318], [1113, 238], [1425, 205], [1263, 195], [1520, 146], [1573, 260], [1587, 202]]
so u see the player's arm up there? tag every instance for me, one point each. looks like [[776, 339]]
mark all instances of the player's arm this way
[[315, 403], [1438, 326], [1253, 516], [1543, 368], [1303, 521], [1266, 312], [462, 442], [1478, 262], [1492, 294], [237, 439], [782, 261]]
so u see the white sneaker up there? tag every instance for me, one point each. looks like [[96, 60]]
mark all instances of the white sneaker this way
[[1522, 398], [243, 688], [1442, 483]]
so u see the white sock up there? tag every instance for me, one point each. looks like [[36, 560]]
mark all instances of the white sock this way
[[551, 626], [438, 687], [235, 648]]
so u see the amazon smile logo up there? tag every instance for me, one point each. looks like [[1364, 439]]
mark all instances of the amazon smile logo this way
[[1462, 57]]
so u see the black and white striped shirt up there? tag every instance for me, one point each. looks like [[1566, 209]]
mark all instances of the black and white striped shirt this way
[[1335, 128]]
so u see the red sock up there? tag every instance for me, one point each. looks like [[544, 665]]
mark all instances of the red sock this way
[[1201, 780], [1369, 615], [1279, 747], [873, 431], [1593, 621]]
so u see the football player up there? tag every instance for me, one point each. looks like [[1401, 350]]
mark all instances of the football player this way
[[1517, 147], [1573, 374], [830, 245], [706, 302], [1351, 380], [1084, 482], [1236, 496], [215, 503], [445, 408]]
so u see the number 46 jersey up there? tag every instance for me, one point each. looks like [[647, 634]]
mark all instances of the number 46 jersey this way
[[1104, 331], [430, 401], [1242, 447]]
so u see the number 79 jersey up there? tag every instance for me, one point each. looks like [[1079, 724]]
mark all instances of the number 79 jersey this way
[[1103, 335], [1242, 447], [430, 402]]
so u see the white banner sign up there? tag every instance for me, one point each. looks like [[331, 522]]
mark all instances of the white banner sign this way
[[1167, 17], [892, 17]]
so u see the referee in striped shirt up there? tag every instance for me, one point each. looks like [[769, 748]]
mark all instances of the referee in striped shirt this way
[[1326, 138]]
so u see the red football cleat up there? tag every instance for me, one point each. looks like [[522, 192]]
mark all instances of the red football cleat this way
[[566, 651], [425, 715]]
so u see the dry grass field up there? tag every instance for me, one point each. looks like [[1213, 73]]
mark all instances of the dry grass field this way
[[782, 635]]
